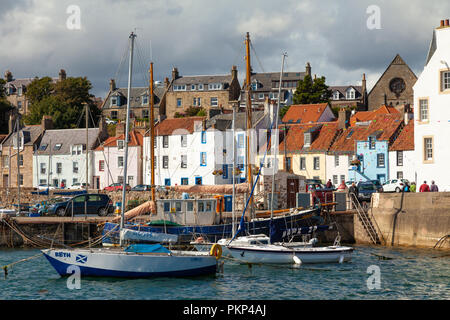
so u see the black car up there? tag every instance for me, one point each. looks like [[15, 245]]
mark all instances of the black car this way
[[378, 184], [365, 190], [141, 187], [100, 204]]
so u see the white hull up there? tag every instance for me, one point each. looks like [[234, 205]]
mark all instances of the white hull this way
[[276, 254], [118, 263]]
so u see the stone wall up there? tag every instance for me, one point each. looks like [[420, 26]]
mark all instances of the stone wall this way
[[409, 219]]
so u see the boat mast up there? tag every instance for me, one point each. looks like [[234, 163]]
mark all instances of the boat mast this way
[[233, 171], [274, 144], [152, 134], [249, 119], [124, 185], [18, 163], [87, 159]]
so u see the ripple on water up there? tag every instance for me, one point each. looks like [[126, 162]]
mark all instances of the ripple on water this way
[[408, 274]]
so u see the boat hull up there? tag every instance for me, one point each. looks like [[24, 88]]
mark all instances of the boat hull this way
[[213, 233], [283, 255], [109, 263]]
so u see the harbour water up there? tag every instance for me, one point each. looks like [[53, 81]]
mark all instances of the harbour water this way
[[422, 274]]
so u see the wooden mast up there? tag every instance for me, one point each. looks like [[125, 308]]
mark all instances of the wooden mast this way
[[249, 119], [152, 134]]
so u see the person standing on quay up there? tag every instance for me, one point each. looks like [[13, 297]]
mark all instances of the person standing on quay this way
[[433, 187], [424, 187], [412, 188]]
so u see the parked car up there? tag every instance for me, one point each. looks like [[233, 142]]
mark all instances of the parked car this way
[[79, 186], [395, 185], [116, 186], [378, 184], [110, 121], [44, 186], [100, 204], [141, 187], [42, 207], [365, 191]]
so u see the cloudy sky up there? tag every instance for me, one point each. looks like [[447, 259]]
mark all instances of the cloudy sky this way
[[207, 37]]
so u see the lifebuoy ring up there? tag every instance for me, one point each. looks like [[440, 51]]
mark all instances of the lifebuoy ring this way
[[216, 250]]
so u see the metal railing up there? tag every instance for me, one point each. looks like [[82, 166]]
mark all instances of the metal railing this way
[[365, 219]]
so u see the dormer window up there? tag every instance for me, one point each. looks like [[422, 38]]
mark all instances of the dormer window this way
[[144, 99], [215, 86], [350, 94], [114, 101], [120, 144], [19, 91], [255, 85], [192, 86], [57, 146], [307, 140], [336, 95], [200, 86], [77, 149], [180, 87]]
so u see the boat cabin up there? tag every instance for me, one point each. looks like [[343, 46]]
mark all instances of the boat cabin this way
[[188, 211]]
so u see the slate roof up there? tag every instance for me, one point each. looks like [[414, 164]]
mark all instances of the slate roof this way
[[343, 89], [304, 113], [265, 80], [323, 135], [31, 134], [136, 96], [67, 138], [204, 79], [225, 121]]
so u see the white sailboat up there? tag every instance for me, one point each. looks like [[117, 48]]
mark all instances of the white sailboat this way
[[248, 250], [138, 260]]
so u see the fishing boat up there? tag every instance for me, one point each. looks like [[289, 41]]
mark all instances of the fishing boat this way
[[136, 260], [246, 250]]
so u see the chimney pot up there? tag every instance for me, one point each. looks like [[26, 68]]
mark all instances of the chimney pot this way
[[442, 23], [447, 22]]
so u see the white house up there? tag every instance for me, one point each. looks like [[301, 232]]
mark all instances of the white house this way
[[187, 154], [402, 156], [61, 157], [432, 112], [109, 159]]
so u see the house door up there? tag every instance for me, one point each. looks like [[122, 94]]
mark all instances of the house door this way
[[381, 178], [96, 182], [292, 189]]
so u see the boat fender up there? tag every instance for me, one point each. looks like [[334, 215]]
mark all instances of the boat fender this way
[[216, 250]]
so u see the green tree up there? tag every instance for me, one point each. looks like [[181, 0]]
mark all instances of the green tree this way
[[5, 108], [64, 101], [309, 91]]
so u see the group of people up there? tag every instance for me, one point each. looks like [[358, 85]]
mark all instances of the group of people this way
[[429, 188]]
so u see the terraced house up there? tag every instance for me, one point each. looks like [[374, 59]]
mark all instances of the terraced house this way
[[114, 106], [210, 92]]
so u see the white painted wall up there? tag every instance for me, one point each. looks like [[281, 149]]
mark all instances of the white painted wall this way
[[340, 170], [408, 168], [216, 142], [67, 168], [438, 126], [112, 170]]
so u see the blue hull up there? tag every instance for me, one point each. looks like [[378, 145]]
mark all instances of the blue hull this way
[[216, 232], [61, 268]]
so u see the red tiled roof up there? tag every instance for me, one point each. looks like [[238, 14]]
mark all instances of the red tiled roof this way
[[362, 116], [306, 113], [168, 126], [322, 139], [136, 139], [386, 124], [405, 140]]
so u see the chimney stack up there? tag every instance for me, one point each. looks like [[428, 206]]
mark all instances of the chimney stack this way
[[112, 85], [308, 69], [343, 119], [120, 128], [62, 75], [8, 76], [46, 123], [234, 72], [103, 128], [175, 74]]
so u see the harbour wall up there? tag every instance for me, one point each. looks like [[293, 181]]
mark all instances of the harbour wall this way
[[408, 219]]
